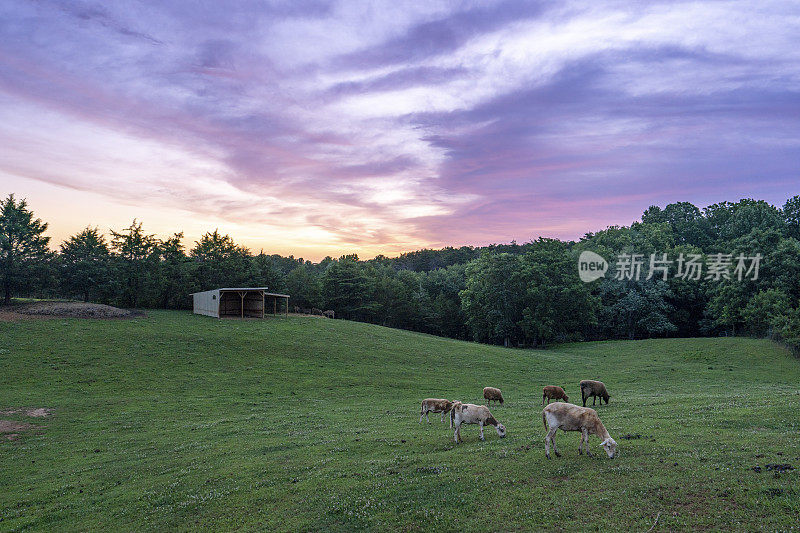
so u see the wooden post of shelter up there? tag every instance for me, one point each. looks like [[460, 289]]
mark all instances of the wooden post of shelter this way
[[242, 295], [263, 303]]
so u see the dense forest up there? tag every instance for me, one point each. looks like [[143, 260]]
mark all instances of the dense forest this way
[[514, 294]]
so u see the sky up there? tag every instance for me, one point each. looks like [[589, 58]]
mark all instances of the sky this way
[[319, 128]]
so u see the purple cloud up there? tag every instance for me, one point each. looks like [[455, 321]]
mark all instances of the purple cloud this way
[[395, 127]]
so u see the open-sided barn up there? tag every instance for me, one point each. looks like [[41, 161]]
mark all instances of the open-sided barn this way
[[239, 301]]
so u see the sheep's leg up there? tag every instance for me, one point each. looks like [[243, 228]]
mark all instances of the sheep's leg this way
[[594, 399], [547, 445], [586, 441], [583, 397], [480, 426], [457, 433], [551, 438], [426, 417], [543, 397], [421, 414], [442, 419]]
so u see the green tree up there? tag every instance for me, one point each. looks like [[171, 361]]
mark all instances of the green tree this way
[[23, 245], [264, 271], [791, 213], [684, 218], [174, 273], [219, 261], [493, 299], [84, 263], [764, 311], [134, 259], [303, 285], [346, 289], [729, 221], [444, 315], [635, 309], [557, 304]]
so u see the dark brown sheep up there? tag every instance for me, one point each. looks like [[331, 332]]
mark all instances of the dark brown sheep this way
[[593, 389], [492, 393]]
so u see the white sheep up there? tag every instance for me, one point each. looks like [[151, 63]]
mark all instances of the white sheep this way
[[469, 413], [435, 405], [569, 417]]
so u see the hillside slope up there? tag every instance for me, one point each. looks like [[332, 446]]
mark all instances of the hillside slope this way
[[182, 422]]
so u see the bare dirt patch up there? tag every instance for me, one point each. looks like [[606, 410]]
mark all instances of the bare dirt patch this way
[[66, 310], [11, 429], [35, 412]]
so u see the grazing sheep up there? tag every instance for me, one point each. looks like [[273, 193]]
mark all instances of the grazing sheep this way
[[568, 417], [315, 311], [329, 314], [306, 311], [435, 405], [297, 309], [469, 413], [553, 392], [593, 389], [491, 393]]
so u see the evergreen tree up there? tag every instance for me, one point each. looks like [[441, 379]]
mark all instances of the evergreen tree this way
[[84, 263], [23, 245], [134, 263]]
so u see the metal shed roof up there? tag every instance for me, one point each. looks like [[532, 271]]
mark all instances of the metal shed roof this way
[[236, 289]]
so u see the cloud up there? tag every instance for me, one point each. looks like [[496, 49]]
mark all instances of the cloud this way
[[389, 127]]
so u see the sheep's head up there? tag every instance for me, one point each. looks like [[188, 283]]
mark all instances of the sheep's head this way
[[501, 430], [610, 446], [566, 398]]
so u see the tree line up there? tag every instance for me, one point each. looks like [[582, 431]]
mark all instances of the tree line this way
[[512, 294]]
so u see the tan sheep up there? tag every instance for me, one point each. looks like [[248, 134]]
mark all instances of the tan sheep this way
[[492, 393], [435, 405], [329, 313], [553, 392], [593, 389], [569, 417], [469, 413]]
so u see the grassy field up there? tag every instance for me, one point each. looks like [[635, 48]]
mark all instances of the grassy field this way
[[178, 421]]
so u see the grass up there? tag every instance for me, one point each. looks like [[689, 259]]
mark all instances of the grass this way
[[180, 422]]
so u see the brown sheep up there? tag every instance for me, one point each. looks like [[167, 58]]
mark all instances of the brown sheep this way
[[593, 389], [492, 393], [553, 392], [568, 417], [329, 313], [435, 405]]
